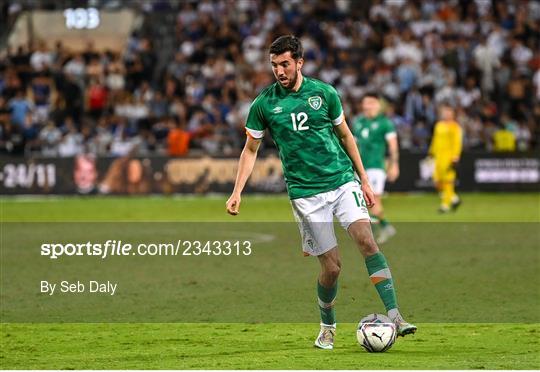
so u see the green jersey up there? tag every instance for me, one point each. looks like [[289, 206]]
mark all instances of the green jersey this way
[[371, 137], [302, 126]]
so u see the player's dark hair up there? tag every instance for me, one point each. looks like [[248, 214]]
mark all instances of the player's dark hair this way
[[371, 94], [288, 43]]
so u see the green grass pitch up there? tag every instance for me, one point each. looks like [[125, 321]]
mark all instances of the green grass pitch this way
[[475, 332]]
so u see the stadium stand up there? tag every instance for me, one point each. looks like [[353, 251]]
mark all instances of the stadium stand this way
[[187, 75]]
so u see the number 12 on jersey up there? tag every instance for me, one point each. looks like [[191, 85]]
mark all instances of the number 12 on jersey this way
[[299, 120], [360, 202]]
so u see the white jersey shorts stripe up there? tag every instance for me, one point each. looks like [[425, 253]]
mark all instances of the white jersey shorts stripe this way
[[315, 216]]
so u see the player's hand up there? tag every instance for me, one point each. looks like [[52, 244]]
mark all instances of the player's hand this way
[[392, 173], [233, 204], [369, 197]]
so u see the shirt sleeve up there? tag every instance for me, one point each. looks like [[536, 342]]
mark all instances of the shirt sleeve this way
[[390, 129], [335, 110], [255, 123]]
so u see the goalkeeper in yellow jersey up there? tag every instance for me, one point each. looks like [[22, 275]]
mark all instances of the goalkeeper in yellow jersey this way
[[445, 149]]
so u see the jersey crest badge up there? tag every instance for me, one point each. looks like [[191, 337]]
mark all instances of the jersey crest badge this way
[[315, 102]]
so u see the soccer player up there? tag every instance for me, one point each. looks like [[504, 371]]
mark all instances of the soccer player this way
[[318, 153], [445, 148], [375, 133]]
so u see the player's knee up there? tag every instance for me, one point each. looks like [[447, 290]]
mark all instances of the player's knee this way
[[332, 271], [368, 246]]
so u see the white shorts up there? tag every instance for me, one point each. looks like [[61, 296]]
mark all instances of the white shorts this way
[[315, 216], [377, 179]]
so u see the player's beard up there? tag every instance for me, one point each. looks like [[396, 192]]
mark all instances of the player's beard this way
[[292, 82]]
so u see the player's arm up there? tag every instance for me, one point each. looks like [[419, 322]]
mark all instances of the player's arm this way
[[245, 167], [456, 146], [349, 144], [255, 126], [393, 153], [458, 141]]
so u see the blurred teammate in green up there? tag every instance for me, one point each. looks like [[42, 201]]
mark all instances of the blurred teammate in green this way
[[376, 137]]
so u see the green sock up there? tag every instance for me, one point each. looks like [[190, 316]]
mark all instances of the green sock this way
[[380, 276], [383, 222], [327, 298]]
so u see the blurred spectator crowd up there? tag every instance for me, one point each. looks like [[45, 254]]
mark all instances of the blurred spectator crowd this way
[[481, 56]]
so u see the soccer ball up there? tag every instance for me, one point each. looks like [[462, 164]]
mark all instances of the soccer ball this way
[[376, 333]]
